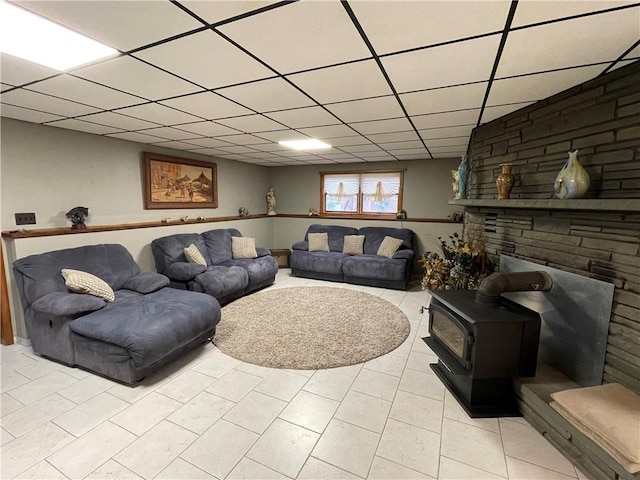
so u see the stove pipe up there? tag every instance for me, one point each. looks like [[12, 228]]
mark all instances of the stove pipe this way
[[494, 285]]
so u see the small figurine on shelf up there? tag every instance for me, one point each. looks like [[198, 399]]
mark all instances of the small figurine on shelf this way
[[456, 183], [313, 212], [167, 220], [243, 212], [185, 218], [77, 216], [201, 218], [271, 203]]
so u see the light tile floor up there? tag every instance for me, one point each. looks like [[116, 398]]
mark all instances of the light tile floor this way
[[208, 415]]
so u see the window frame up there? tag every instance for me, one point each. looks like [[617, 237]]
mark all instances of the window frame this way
[[359, 213]]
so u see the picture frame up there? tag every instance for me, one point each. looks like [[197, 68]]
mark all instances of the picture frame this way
[[174, 182]]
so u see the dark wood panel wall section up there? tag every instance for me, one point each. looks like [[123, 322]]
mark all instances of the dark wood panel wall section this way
[[6, 335]]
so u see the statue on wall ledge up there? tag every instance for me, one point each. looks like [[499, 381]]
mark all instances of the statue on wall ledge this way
[[77, 216], [271, 203]]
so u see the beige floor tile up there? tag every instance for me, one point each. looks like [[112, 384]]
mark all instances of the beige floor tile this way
[[418, 411], [87, 453], [112, 470], [523, 442], [389, 364], [247, 469], [383, 469], [220, 448], [284, 447], [304, 373], [257, 370], [8, 404], [520, 470], [364, 411], [153, 451], [42, 387], [281, 384], [181, 470], [310, 411], [454, 470], [216, 365], [376, 384], [14, 358], [38, 369], [35, 414], [90, 414], [133, 393], [86, 388], [329, 384], [234, 385], [33, 447], [421, 361], [316, 469], [412, 447], [422, 383], [347, 447], [201, 412], [186, 386], [5, 437], [42, 471], [146, 413], [349, 370], [255, 412], [473, 446], [454, 411]]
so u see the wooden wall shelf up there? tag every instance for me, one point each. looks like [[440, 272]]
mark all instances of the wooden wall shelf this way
[[590, 204]]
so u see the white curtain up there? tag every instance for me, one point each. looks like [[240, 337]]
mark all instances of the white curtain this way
[[381, 186], [341, 186]]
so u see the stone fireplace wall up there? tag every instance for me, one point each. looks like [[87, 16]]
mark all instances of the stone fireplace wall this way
[[601, 118]]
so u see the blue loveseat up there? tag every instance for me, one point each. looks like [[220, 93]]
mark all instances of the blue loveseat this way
[[367, 268], [146, 326]]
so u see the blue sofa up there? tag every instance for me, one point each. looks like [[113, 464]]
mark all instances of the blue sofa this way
[[224, 277], [145, 327], [366, 269]]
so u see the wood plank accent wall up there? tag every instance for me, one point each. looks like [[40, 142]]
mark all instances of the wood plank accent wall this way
[[601, 118]]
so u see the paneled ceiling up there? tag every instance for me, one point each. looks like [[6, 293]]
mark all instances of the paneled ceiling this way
[[377, 80]]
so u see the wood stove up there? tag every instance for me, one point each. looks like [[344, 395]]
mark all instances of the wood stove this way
[[481, 348]]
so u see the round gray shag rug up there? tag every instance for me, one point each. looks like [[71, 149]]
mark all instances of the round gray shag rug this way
[[309, 328]]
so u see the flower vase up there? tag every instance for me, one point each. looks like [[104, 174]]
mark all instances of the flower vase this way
[[572, 180], [505, 181], [463, 174]]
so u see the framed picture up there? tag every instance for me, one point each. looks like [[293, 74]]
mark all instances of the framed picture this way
[[173, 182]]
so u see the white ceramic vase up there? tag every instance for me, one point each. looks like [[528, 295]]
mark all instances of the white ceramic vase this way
[[572, 180]]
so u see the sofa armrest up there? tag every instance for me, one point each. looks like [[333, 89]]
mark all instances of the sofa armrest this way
[[403, 255], [302, 245], [184, 271], [263, 252], [146, 282], [65, 304]]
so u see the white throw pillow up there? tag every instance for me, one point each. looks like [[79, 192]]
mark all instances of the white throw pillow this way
[[243, 247], [194, 256], [318, 242], [353, 244], [389, 246], [83, 282]]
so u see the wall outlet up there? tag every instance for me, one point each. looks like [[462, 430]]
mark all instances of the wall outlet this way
[[25, 218]]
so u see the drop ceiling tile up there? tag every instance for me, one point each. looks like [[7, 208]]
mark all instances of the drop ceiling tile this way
[[270, 147], [251, 123], [442, 155], [84, 91], [135, 77], [369, 109], [451, 149], [210, 151], [361, 148], [138, 23], [620, 64], [26, 114], [267, 95], [393, 146], [450, 119], [393, 137], [5, 86], [304, 117], [380, 154], [216, 11], [537, 87], [328, 131], [207, 59], [136, 137], [282, 135], [448, 142], [242, 139], [447, 132], [84, 126], [387, 158], [234, 156], [209, 129], [236, 149], [207, 105], [176, 145], [349, 160], [633, 54], [382, 126], [158, 113], [170, 133], [344, 141], [491, 113], [343, 82], [573, 42], [394, 25], [208, 142], [415, 156], [445, 99], [46, 103], [337, 156], [453, 64], [299, 36], [409, 151], [116, 120], [534, 11], [16, 71]]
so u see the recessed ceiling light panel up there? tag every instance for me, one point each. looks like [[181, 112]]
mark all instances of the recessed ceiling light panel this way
[[310, 144], [36, 39]]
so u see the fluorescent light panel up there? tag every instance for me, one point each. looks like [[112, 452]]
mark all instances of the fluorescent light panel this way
[[310, 144], [36, 39]]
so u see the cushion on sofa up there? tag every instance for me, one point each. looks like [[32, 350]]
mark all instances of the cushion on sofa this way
[[336, 234], [389, 246], [65, 304], [243, 247], [319, 242], [375, 235], [82, 282], [194, 256], [146, 282], [353, 244]]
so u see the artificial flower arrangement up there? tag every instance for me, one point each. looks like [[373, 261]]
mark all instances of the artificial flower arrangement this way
[[462, 265]]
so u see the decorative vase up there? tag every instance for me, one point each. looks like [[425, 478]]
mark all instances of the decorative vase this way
[[463, 174], [505, 181], [572, 180]]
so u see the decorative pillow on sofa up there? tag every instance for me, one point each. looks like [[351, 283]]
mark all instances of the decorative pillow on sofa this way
[[389, 246], [194, 256], [318, 242], [83, 282], [353, 244], [243, 247]]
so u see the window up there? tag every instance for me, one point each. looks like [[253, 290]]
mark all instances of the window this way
[[362, 193]]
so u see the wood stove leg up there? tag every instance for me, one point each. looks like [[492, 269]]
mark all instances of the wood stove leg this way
[[6, 329]]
